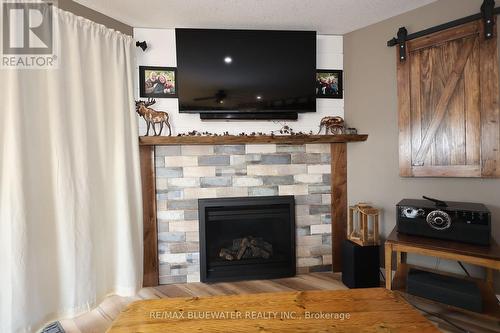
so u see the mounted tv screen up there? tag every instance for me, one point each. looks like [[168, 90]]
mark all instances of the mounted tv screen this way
[[246, 74]]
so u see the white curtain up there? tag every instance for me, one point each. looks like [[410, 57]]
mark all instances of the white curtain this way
[[70, 201]]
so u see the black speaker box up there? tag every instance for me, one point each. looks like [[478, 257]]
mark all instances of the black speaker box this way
[[445, 289], [360, 265]]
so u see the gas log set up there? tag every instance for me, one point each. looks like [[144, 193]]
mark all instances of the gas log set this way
[[247, 248]]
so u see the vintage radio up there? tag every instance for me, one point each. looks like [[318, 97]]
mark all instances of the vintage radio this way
[[455, 221]]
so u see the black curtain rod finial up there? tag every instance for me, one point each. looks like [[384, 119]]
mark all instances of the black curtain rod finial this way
[[143, 45]]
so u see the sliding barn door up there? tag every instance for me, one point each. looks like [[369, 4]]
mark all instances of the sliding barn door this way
[[448, 105]]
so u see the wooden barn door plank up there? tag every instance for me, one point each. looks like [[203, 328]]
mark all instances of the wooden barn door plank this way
[[472, 109], [426, 101], [445, 36], [439, 75], [455, 117], [490, 127], [404, 118], [415, 102]]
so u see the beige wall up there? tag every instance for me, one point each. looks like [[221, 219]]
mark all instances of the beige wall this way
[[371, 106], [76, 8]]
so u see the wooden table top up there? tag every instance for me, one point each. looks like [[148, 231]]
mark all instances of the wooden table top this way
[[487, 252], [356, 310]]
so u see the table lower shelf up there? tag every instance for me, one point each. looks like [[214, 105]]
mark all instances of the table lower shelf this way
[[490, 301]]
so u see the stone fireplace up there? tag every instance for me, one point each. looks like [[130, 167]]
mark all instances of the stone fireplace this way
[[247, 238], [186, 173]]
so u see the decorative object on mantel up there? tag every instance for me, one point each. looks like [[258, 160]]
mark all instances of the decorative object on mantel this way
[[287, 130], [329, 83], [351, 131], [334, 125], [284, 131], [152, 117], [362, 224]]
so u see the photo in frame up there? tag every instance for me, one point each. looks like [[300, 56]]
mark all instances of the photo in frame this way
[[329, 83], [158, 82]]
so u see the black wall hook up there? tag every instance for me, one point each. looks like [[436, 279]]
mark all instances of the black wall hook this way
[[143, 45]]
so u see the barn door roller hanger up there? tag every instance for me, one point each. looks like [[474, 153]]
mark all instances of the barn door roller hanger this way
[[488, 11]]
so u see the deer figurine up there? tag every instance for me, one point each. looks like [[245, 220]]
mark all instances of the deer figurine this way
[[334, 125], [152, 117]]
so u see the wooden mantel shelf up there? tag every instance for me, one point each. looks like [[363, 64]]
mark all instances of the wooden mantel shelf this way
[[261, 139]]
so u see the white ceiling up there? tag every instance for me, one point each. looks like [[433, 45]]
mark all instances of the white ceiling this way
[[325, 16]]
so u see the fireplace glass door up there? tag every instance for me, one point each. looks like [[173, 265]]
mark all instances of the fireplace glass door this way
[[247, 238]]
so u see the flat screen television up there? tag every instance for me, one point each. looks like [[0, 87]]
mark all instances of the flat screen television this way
[[246, 74]]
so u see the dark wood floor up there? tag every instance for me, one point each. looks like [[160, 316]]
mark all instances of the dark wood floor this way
[[100, 319]]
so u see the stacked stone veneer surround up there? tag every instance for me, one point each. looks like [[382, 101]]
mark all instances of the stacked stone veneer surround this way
[[186, 173]]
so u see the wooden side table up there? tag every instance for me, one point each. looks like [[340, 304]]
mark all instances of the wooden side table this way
[[488, 257]]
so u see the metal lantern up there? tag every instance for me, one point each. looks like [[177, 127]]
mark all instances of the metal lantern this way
[[362, 225]]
